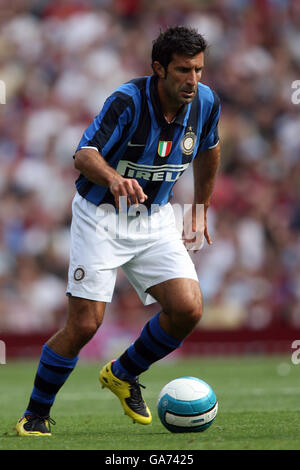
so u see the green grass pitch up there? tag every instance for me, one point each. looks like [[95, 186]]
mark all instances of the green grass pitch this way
[[258, 397]]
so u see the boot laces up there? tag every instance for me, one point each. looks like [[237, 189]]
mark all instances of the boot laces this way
[[42, 419], [135, 393]]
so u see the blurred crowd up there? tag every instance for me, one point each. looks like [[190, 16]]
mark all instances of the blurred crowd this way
[[60, 60]]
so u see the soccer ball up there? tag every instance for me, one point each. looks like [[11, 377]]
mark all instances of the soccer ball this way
[[187, 404]]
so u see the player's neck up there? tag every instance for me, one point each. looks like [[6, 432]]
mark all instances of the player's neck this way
[[170, 119], [169, 108]]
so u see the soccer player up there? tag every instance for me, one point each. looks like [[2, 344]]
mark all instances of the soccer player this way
[[148, 132]]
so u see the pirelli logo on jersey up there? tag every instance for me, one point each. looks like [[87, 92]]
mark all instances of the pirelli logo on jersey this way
[[168, 172]]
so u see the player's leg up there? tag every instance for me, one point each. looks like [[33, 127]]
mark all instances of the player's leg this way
[[89, 277], [58, 359], [181, 311], [162, 272], [181, 302], [182, 307], [84, 318]]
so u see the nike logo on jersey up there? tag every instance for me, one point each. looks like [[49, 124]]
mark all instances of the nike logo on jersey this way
[[130, 144], [168, 172]]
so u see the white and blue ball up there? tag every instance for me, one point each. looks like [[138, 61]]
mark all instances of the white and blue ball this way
[[187, 404]]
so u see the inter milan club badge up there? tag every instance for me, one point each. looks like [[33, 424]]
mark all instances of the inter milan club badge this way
[[188, 142], [79, 273], [164, 148]]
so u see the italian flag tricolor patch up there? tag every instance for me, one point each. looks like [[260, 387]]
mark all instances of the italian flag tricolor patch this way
[[164, 148]]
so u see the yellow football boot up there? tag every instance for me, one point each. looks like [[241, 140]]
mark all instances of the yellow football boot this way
[[34, 426], [129, 394]]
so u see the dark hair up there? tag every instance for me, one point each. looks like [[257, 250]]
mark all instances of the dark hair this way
[[180, 40]]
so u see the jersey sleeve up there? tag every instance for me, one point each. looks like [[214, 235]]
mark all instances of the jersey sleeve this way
[[109, 125], [210, 134]]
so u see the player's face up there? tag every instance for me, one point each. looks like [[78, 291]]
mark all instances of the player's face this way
[[179, 85]]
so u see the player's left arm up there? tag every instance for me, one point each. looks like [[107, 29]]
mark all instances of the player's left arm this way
[[205, 167]]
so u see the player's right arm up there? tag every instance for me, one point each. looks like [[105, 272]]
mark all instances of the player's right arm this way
[[95, 168]]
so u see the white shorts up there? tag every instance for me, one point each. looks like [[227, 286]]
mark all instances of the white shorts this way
[[148, 248]]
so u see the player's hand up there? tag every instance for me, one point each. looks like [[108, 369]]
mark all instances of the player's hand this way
[[195, 228], [128, 188], [206, 234]]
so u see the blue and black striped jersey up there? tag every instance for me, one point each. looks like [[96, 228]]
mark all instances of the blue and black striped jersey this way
[[133, 136]]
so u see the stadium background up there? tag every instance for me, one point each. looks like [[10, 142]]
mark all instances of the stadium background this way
[[59, 61]]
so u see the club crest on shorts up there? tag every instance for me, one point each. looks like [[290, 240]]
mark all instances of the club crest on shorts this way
[[79, 273], [164, 148], [188, 142]]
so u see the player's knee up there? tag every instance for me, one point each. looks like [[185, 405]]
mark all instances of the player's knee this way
[[192, 307], [86, 329], [82, 329], [192, 313], [186, 314], [85, 317]]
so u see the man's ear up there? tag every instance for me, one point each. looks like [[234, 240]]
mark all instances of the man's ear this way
[[159, 69]]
